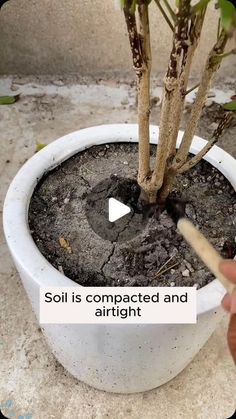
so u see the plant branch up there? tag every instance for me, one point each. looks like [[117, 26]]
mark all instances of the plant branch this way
[[216, 135], [141, 54], [226, 54], [202, 4], [175, 81], [170, 10], [187, 57], [191, 89], [133, 36], [218, 29], [164, 14], [212, 65], [143, 85], [188, 51]]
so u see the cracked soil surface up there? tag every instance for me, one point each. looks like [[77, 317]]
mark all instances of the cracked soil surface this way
[[158, 256]]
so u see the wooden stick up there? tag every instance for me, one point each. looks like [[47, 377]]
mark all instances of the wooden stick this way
[[204, 250]]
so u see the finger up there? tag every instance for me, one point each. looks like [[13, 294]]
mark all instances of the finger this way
[[233, 303], [232, 336], [228, 269], [226, 302]]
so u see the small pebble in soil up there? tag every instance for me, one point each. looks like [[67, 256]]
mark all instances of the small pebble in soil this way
[[185, 273], [188, 265], [213, 125]]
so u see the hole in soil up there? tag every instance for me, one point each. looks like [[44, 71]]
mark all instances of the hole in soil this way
[[125, 191]]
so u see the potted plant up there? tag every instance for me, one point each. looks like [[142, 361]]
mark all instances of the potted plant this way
[[127, 358]]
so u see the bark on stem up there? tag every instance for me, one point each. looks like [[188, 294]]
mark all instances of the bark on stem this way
[[212, 65], [217, 133], [187, 57], [141, 53], [143, 85], [168, 184], [172, 97]]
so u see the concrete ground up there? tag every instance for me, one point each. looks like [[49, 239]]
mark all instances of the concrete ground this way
[[32, 383], [34, 40]]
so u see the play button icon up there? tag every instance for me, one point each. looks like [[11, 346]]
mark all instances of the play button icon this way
[[113, 211], [116, 210]]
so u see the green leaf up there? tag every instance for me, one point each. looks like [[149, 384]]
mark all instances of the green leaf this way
[[8, 100], [39, 146], [228, 13], [230, 106]]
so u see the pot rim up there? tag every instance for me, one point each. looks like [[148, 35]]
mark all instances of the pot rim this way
[[15, 212]]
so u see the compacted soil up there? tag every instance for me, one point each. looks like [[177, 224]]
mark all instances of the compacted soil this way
[[146, 250]]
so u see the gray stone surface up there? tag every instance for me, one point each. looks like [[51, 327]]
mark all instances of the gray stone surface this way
[[31, 380]]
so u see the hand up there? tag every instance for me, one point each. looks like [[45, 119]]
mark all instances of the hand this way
[[228, 269]]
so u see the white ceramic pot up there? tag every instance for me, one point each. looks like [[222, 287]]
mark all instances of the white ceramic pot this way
[[115, 358]]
